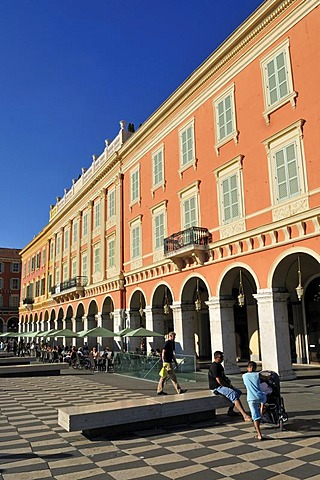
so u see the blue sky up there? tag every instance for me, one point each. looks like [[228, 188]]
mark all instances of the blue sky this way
[[71, 69]]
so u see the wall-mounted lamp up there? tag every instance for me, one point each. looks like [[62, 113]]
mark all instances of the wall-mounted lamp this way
[[197, 302], [241, 291], [166, 308], [141, 312], [299, 288]]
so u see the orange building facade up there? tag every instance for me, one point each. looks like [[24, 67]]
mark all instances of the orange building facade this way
[[206, 219]]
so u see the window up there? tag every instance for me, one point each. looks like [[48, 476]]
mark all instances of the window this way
[[111, 252], [277, 80], [230, 197], [85, 224], [189, 199], [15, 267], [135, 229], [65, 272], [38, 260], [1, 301], [14, 283], [66, 240], [44, 254], [29, 261], [84, 265], [157, 168], [42, 286], [51, 250], [1, 267], [74, 232], [287, 171], [96, 268], [74, 268], [37, 289], [58, 251], [97, 215], [111, 203], [57, 276], [24, 270], [187, 150], [1, 283], [135, 187], [14, 301], [225, 118], [33, 264]]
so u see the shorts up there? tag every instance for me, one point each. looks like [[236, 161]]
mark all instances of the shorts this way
[[232, 394], [255, 409]]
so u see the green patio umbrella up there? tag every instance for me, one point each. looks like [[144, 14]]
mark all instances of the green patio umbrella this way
[[143, 332], [97, 332], [124, 332], [65, 332], [45, 333], [27, 334]]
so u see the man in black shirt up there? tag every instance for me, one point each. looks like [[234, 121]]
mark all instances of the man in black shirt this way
[[167, 370], [219, 383]]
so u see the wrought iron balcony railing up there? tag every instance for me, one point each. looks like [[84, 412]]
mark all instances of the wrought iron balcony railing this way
[[28, 301], [72, 283], [191, 236]]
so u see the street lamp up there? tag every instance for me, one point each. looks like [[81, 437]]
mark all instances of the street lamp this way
[[299, 288], [241, 292]]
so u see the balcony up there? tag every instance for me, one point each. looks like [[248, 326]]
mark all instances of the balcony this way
[[28, 303], [70, 289], [192, 242]]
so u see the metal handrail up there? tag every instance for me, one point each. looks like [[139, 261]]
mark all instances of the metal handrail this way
[[74, 282], [190, 236]]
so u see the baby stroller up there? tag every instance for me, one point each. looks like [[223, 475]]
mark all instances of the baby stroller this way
[[275, 413]]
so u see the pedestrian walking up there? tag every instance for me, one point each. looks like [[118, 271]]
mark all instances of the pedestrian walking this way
[[169, 362]]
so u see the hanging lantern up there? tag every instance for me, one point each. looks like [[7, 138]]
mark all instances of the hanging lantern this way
[[299, 288], [197, 302], [241, 292]]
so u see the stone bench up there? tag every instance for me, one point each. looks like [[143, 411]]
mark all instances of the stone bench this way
[[128, 415], [32, 370]]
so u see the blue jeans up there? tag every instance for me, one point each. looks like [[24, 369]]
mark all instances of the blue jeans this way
[[232, 394]]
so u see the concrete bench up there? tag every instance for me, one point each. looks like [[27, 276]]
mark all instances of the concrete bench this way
[[14, 361], [141, 412], [33, 369]]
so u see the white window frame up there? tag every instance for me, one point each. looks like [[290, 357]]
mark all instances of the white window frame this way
[[135, 186], [15, 267], [96, 259], [74, 267], [84, 224], [136, 228], [223, 173], [233, 134], [111, 242], [14, 283], [74, 232], [158, 161], [97, 214], [189, 162], [156, 211], [185, 195], [111, 203], [66, 240], [282, 208], [84, 264], [269, 107]]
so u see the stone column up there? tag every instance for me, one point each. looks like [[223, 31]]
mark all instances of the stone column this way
[[253, 333], [184, 326], [299, 332], [274, 332], [223, 332]]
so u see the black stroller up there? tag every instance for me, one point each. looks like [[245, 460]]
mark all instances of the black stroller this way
[[275, 413]]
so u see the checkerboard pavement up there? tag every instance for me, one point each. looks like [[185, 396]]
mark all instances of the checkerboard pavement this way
[[33, 445]]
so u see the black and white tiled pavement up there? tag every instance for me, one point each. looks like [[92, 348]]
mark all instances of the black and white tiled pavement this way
[[33, 446]]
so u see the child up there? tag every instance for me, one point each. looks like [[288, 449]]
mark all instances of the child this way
[[255, 397]]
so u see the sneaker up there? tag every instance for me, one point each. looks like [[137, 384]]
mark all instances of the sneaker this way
[[162, 393], [182, 390]]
